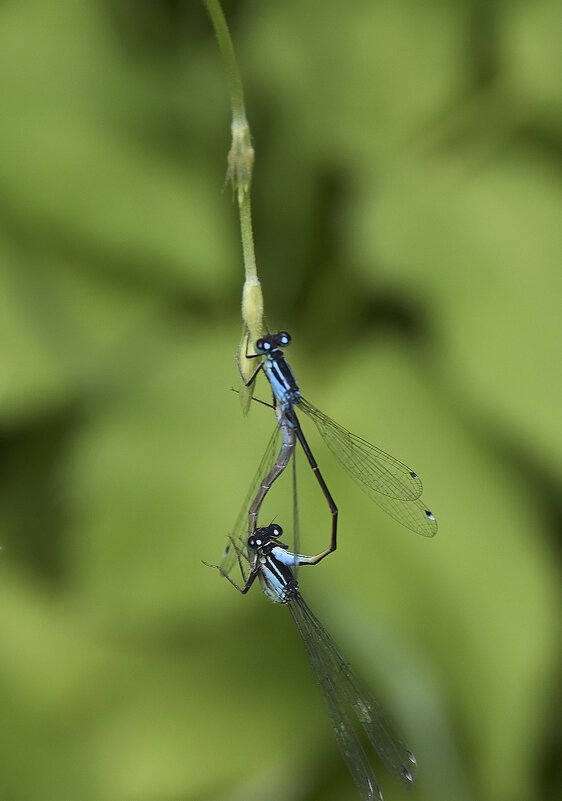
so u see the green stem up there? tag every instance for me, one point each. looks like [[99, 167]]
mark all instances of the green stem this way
[[227, 51], [240, 164]]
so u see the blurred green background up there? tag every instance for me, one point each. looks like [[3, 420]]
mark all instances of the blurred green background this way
[[407, 201]]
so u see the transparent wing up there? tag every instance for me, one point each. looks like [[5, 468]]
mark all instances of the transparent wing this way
[[394, 486], [342, 688], [346, 736], [240, 533], [367, 464], [275, 460]]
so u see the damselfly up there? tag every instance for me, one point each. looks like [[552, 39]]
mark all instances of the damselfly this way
[[391, 484], [271, 562]]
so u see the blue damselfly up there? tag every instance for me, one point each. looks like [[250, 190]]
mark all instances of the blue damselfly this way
[[270, 561], [395, 487]]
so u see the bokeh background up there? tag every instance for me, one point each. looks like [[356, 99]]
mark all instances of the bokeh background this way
[[407, 200]]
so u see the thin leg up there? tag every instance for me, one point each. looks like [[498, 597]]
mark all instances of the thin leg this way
[[256, 371], [313, 560], [251, 577], [255, 400], [243, 590], [250, 355], [253, 377]]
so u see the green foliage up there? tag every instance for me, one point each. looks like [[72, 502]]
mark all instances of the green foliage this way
[[406, 200]]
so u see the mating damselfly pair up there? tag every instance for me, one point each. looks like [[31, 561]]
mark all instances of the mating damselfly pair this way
[[259, 553]]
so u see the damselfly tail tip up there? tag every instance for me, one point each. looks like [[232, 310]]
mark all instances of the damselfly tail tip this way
[[407, 775], [406, 772]]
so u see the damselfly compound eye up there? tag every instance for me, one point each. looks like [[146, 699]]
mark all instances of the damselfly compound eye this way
[[263, 345]]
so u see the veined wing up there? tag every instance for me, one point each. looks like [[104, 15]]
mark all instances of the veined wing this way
[[368, 464], [394, 486], [273, 463], [339, 681], [240, 533], [346, 736]]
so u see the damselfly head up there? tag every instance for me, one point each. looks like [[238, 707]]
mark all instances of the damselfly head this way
[[273, 342], [263, 536]]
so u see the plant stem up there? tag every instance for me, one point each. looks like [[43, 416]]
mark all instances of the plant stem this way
[[240, 164]]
